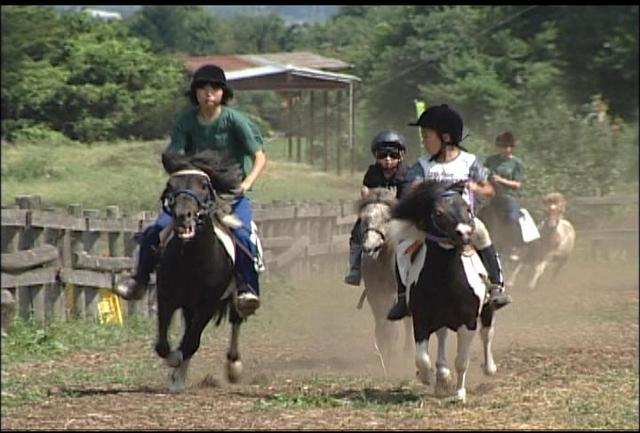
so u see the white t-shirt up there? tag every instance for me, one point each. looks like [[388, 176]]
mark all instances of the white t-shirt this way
[[464, 167]]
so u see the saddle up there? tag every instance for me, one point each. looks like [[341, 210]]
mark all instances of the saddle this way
[[223, 232], [410, 258]]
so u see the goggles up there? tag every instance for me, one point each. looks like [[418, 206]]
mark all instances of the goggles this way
[[393, 154]]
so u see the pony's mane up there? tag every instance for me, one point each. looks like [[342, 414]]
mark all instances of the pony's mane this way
[[223, 171], [419, 201], [377, 195]]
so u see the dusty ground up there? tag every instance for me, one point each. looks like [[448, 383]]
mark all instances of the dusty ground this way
[[567, 358]]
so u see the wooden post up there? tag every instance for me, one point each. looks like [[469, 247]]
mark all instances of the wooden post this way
[[91, 294], [75, 294], [325, 123], [339, 132], [290, 127], [352, 116], [30, 298], [311, 130], [299, 129]]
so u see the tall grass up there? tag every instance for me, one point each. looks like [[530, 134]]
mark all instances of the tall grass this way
[[130, 175]]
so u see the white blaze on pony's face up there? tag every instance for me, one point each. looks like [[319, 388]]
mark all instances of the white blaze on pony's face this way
[[554, 208], [374, 225]]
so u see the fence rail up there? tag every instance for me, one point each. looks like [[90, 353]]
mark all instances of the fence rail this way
[[56, 261]]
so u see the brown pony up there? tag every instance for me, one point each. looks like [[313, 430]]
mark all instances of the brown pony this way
[[557, 240]]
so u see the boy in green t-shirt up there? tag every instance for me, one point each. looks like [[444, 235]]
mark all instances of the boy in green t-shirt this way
[[507, 176], [210, 124]]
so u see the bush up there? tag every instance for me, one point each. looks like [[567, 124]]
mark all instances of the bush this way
[[39, 134]]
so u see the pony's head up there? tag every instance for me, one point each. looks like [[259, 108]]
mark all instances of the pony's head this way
[[439, 210], [374, 210], [195, 182], [554, 208]]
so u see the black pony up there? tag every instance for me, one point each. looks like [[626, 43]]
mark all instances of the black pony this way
[[195, 273], [442, 296]]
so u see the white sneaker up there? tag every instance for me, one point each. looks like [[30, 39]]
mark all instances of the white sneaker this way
[[247, 304]]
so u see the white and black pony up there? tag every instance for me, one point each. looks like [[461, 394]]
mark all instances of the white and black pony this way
[[195, 271], [444, 295]]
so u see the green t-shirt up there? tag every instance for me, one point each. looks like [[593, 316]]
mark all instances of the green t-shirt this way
[[509, 168], [231, 131]]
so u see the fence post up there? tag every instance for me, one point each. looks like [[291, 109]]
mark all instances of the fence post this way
[[30, 298], [89, 242], [75, 294]]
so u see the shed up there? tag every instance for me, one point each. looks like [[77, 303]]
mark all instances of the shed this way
[[291, 74]]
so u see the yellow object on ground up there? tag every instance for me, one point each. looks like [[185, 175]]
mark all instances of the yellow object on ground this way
[[109, 308]]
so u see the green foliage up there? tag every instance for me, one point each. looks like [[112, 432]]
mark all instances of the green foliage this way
[[98, 84], [29, 341]]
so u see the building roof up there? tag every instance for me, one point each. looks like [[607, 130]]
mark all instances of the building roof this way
[[242, 61], [279, 71]]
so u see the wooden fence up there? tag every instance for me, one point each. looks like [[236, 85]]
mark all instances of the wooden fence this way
[[56, 262]]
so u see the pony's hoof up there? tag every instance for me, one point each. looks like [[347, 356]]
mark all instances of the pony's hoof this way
[[489, 370], [234, 371], [443, 384], [174, 359], [425, 376], [460, 397]]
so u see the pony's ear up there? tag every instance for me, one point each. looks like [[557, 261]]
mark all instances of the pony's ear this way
[[364, 191], [173, 162]]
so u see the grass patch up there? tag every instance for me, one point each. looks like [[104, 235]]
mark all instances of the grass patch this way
[[30, 342], [130, 175]]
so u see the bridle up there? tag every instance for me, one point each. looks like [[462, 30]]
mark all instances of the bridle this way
[[444, 238], [205, 207]]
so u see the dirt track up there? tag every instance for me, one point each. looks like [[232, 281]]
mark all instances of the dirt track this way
[[567, 357]]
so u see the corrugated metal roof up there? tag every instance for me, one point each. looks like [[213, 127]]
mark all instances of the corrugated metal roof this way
[[299, 59], [269, 72]]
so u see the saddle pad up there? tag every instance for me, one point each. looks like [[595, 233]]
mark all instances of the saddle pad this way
[[225, 238], [409, 270], [528, 226], [473, 268]]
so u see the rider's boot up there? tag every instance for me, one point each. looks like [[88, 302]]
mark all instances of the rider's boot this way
[[497, 296], [248, 301], [400, 309], [132, 287], [355, 262]]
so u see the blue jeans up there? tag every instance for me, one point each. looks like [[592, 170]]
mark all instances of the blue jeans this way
[[244, 265], [509, 209]]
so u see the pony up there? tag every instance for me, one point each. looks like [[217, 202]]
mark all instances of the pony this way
[[556, 243], [378, 269], [195, 272], [448, 292]]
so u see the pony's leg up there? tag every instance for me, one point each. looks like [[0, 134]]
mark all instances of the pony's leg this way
[[511, 280], [408, 336], [443, 374], [487, 332], [423, 362], [421, 338], [195, 323], [178, 377], [165, 312], [383, 340], [538, 271], [465, 337], [234, 365]]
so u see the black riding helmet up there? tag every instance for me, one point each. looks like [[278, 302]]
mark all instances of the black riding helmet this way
[[388, 140], [444, 120], [212, 74]]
